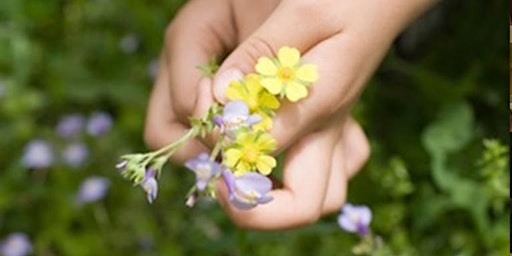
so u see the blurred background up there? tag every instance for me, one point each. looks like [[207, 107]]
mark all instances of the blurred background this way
[[74, 82]]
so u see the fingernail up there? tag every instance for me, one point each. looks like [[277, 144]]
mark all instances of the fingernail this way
[[222, 80]]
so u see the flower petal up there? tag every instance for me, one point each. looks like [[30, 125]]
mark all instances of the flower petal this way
[[265, 164], [273, 85], [266, 66], [295, 92], [232, 156], [288, 57], [268, 100], [307, 73], [235, 91]]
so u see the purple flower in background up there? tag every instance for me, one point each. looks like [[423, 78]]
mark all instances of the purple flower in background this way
[[129, 43], [235, 116], [75, 154], [355, 219], [92, 189], [70, 125], [99, 124], [16, 244], [204, 168], [38, 154], [153, 68], [150, 185], [248, 190]]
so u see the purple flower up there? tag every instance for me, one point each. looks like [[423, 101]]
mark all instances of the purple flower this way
[[153, 68], [38, 154], [204, 168], [75, 154], [99, 124], [235, 116], [129, 43], [355, 219], [150, 185], [70, 125], [16, 244], [248, 190], [92, 189]]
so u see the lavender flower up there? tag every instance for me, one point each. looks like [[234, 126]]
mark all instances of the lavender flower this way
[[129, 43], [99, 124], [70, 125], [248, 190], [75, 154], [38, 154], [235, 116], [150, 185], [92, 189], [355, 219], [204, 168], [16, 244], [153, 68]]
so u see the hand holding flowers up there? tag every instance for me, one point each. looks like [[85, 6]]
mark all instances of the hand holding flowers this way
[[243, 148]]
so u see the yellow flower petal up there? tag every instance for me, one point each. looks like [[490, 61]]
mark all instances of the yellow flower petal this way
[[265, 124], [307, 73], [268, 100], [242, 168], [235, 91], [273, 85], [288, 57], [266, 142], [266, 66], [252, 84], [295, 91], [265, 164], [232, 156]]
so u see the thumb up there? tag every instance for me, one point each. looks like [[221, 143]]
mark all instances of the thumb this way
[[291, 24]]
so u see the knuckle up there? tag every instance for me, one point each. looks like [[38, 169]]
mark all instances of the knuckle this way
[[253, 49]]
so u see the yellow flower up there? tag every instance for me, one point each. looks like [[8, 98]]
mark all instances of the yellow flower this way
[[250, 151], [285, 75], [259, 100]]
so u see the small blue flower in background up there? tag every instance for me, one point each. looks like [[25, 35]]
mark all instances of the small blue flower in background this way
[[70, 125], [235, 115], [129, 43], [355, 219], [75, 154], [204, 168], [16, 244], [153, 69], [248, 190], [92, 189], [38, 154], [99, 124], [150, 185]]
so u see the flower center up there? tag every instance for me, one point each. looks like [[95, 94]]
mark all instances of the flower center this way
[[251, 155], [203, 171], [286, 74], [234, 123]]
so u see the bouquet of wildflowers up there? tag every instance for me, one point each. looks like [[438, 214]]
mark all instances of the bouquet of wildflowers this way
[[242, 155]]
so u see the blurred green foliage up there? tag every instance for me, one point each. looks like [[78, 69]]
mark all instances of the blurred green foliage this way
[[435, 114]]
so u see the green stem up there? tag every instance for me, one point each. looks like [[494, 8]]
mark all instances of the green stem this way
[[216, 149]]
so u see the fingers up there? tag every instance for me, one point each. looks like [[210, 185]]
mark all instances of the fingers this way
[[202, 30], [162, 126], [350, 154], [293, 23], [305, 178]]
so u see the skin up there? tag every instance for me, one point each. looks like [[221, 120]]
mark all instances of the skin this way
[[345, 39]]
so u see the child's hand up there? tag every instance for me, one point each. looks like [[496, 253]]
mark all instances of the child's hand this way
[[345, 39]]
